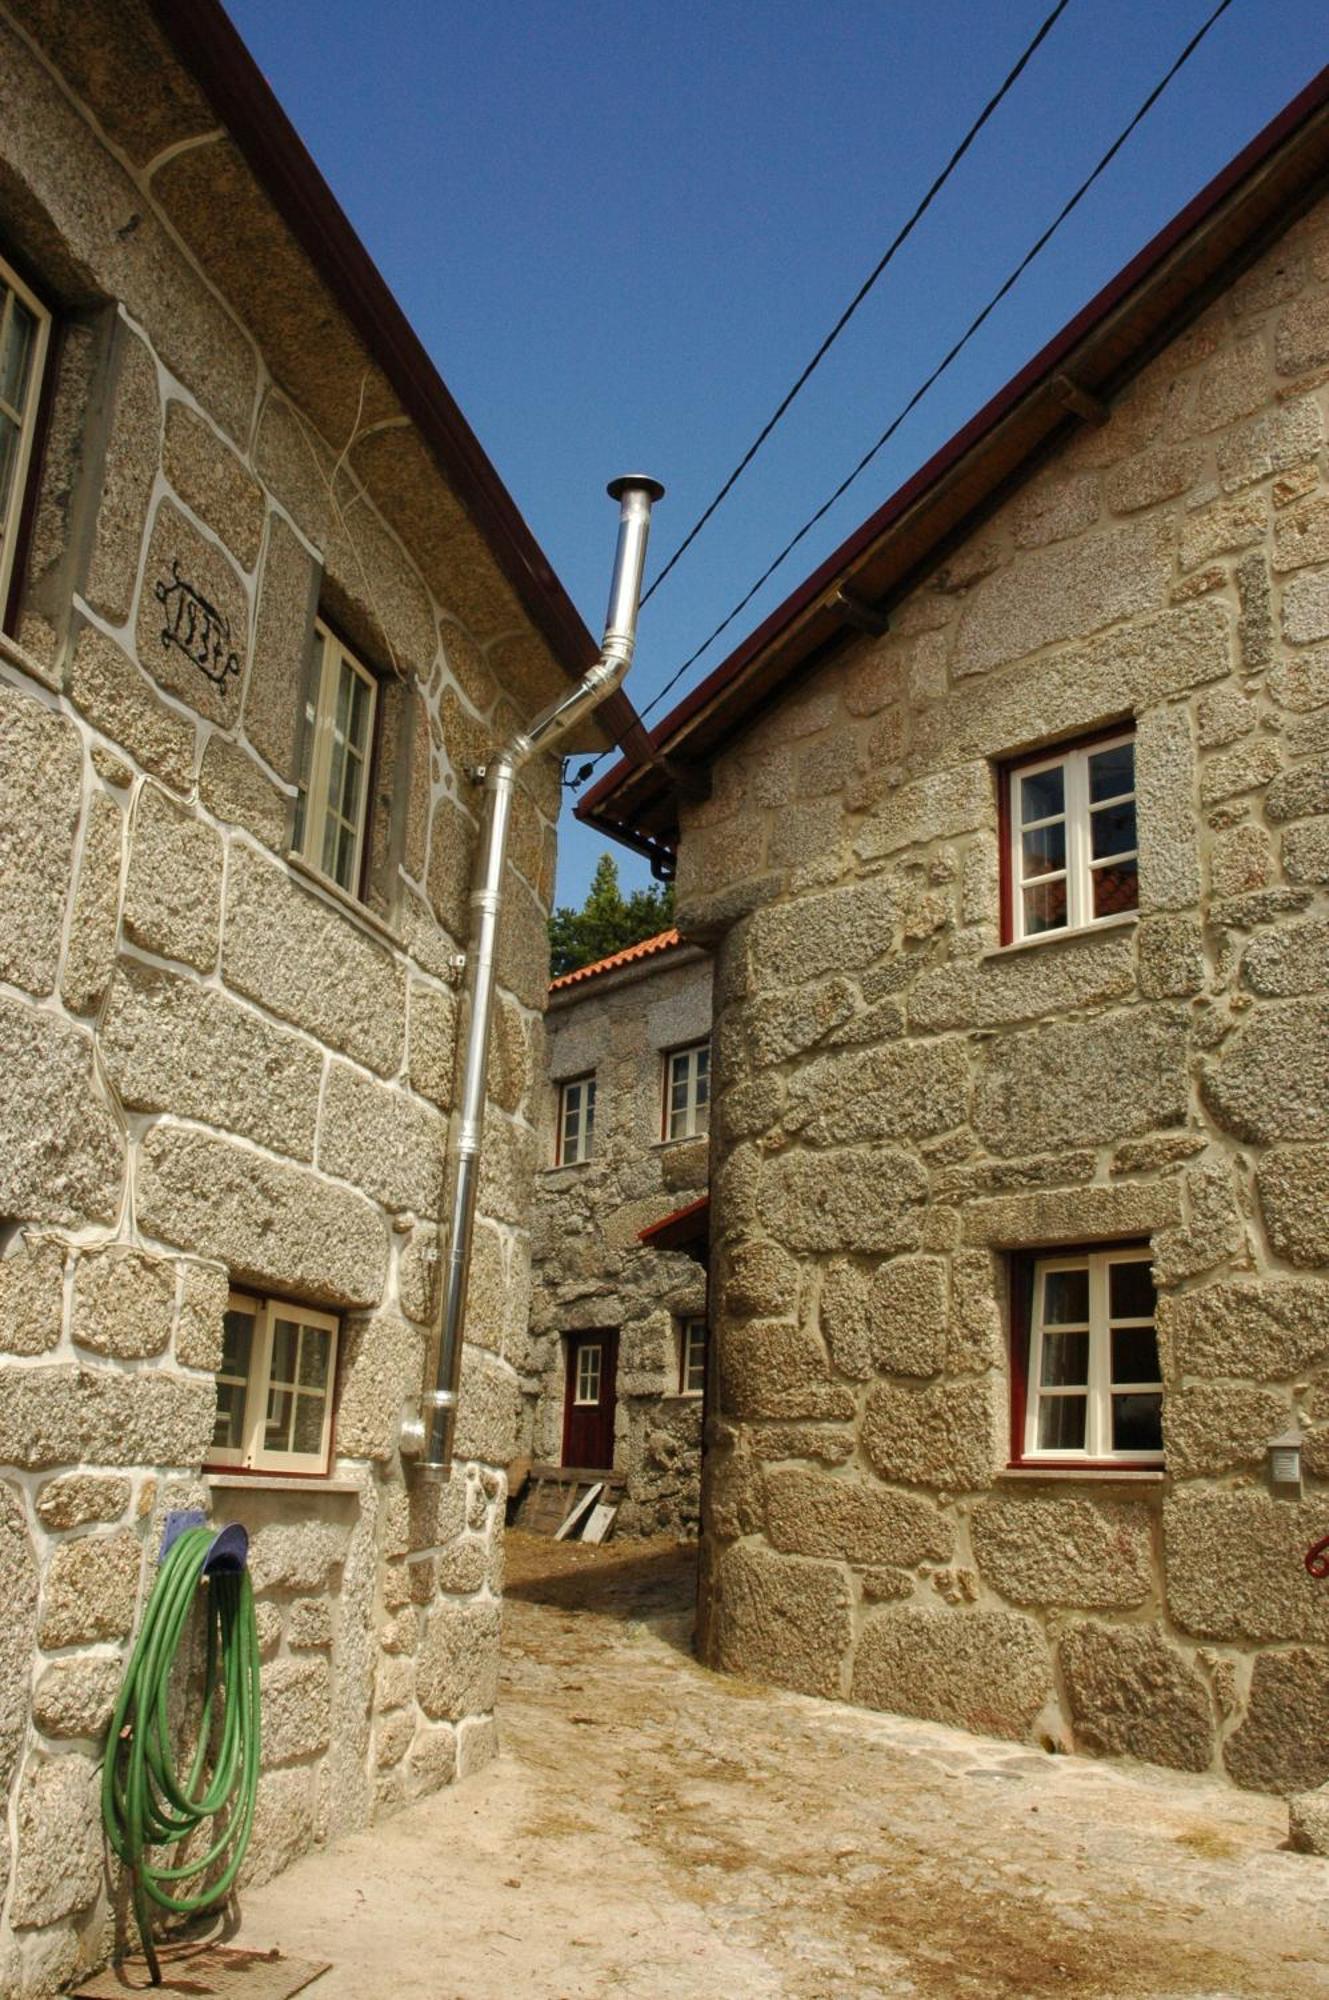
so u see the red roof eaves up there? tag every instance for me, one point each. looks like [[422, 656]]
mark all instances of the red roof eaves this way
[[675, 1226], [663, 941]]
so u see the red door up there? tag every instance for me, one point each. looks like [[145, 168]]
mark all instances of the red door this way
[[588, 1411]]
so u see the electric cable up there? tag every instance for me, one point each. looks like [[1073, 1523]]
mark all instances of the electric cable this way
[[145, 1801], [901, 237], [950, 356]]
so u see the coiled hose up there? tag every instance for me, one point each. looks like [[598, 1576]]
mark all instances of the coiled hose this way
[[145, 1803]]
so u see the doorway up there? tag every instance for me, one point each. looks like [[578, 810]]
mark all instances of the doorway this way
[[591, 1399]]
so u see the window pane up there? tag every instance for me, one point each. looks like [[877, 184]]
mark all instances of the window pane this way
[[1044, 795], [1043, 848], [1135, 1354], [343, 869], [237, 1343], [1111, 772], [590, 1114], [20, 330], [316, 1346], [1116, 888], [353, 771], [233, 1377], [1061, 1423], [277, 1429], [1137, 1423], [307, 1434], [285, 1342], [1066, 1361], [1112, 830], [1066, 1298], [1045, 908], [1131, 1290], [360, 706], [229, 1427], [8, 457]]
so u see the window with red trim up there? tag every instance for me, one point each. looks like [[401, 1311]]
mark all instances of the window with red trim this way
[[1068, 846], [1086, 1383], [575, 1136]]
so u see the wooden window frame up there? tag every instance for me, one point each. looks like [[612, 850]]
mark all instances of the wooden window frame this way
[[315, 808], [585, 1137], [695, 1115], [1024, 1267], [692, 1333], [1074, 753], [252, 1455], [16, 511]]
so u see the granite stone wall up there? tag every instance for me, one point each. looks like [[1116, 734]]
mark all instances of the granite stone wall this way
[[902, 1103], [214, 1066], [589, 1268]]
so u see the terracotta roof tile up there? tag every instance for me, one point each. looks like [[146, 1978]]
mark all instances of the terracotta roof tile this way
[[665, 941]]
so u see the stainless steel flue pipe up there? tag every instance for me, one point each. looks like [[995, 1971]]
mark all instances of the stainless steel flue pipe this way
[[429, 1433]]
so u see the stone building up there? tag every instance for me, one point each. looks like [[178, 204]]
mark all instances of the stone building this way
[[266, 605], [1015, 862], [618, 1309]]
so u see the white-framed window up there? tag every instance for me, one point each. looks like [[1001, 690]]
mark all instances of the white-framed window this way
[[25, 332], [576, 1121], [1070, 857], [1095, 1387], [687, 1090], [691, 1357], [332, 807], [275, 1386], [590, 1369]]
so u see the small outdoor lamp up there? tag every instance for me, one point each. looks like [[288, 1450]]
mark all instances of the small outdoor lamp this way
[[1285, 1461]]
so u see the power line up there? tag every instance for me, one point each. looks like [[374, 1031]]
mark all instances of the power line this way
[[1034, 250], [901, 237]]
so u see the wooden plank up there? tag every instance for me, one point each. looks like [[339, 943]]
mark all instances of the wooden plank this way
[[579, 1509], [601, 1521]]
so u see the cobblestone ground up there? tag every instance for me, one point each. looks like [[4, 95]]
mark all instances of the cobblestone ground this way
[[656, 1831]]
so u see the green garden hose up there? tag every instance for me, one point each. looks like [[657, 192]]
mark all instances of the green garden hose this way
[[145, 1803]]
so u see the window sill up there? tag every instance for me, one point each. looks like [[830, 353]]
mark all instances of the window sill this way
[[348, 904], [569, 1166], [232, 1478], [683, 1139], [1100, 1474], [1063, 936]]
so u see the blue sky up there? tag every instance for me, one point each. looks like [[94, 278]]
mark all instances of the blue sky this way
[[621, 230]]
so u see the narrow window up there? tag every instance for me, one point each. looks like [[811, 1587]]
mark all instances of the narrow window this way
[[589, 1358], [1069, 853], [1092, 1386], [332, 805], [576, 1121], [691, 1357], [274, 1387], [25, 328], [687, 1091]]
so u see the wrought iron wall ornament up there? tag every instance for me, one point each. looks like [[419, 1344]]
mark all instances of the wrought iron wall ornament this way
[[199, 629], [1317, 1558]]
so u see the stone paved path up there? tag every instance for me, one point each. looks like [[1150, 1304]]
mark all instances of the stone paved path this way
[[656, 1832]]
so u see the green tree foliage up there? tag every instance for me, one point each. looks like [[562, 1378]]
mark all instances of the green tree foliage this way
[[608, 921]]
